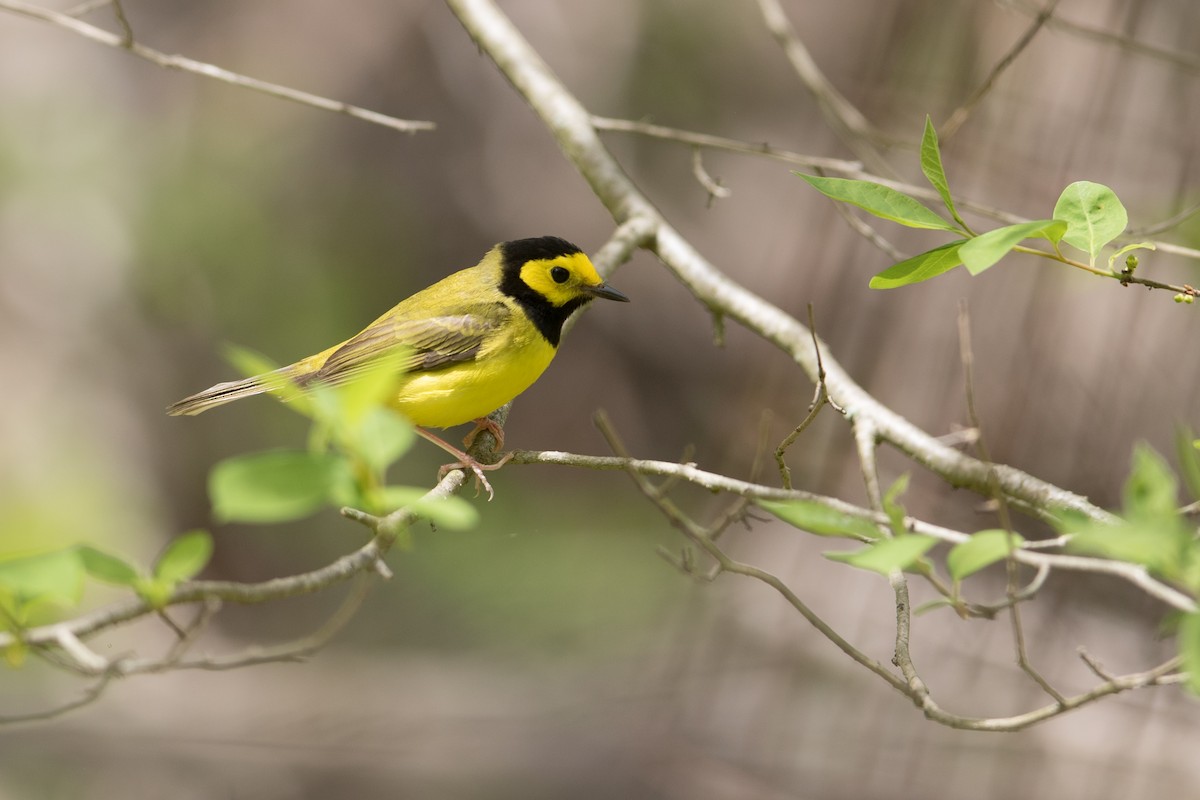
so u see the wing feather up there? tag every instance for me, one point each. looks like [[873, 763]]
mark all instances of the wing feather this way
[[416, 344]]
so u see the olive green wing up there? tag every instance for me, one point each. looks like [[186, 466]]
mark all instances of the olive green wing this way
[[414, 344]]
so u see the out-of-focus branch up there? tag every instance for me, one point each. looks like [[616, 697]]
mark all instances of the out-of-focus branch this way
[[840, 114], [1186, 61], [956, 119], [184, 64], [723, 143]]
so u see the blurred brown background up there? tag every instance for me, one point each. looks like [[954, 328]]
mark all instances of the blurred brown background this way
[[147, 217]]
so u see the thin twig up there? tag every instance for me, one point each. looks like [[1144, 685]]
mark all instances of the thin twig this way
[[123, 21], [1028, 553], [86, 8], [184, 64], [712, 186], [1166, 225], [961, 113], [820, 398], [711, 142], [1095, 666], [851, 169], [89, 696], [292, 651], [1010, 563], [912, 685], [726, 564], [868, 232], [1187, 61], [841, 115]]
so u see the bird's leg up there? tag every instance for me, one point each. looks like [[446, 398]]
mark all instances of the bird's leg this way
[[465, 461], [485, 424]]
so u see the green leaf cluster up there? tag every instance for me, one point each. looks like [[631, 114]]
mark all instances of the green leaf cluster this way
[[890, 547], [1087, 216], [355, 437], [1152, 531], [33, 588]]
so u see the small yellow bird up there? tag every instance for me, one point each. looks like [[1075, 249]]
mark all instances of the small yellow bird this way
[[471, 342]]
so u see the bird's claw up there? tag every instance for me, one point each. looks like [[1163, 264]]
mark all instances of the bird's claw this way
[[477, 468], [485, 424]]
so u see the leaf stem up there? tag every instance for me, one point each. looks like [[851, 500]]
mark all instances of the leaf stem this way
[[1123, 278]]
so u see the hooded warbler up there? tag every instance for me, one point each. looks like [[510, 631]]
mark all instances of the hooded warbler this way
[[467, 345]]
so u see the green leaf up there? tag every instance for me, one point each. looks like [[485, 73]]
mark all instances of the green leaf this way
[[184, 557], [1160, 548], [49, 578], [1112, 260], [1093, 214], [453, 513], [16, 653], [1151, 531], [1189, 648], [107, 568], [384, 436], [987, 248], [981, 550], [373, 386], [888, 554], [820, 519], [892, 506], [274, 486], [155, 591], [882, 201], [1151, 492], [921, 267], [1189, 460], [931, 165]]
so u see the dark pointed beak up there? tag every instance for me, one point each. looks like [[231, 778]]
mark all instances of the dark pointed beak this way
[[607, 292]]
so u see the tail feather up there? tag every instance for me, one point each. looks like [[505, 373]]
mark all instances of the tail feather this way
[[227, 392]]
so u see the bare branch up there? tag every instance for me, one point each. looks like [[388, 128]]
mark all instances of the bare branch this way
[[961, 113], [1028, 553], [713, 186], [846, 121], [290, 651], [386, 530], [89, 696], [184, 64], [912, 685], [855, 170], [722, 143], [1165, 225], [820, 398], [726, 564], [1186, 61]]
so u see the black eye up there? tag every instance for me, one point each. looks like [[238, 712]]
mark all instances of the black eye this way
[[560, 274]]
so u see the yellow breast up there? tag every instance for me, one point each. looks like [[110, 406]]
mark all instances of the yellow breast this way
[[506, 365]]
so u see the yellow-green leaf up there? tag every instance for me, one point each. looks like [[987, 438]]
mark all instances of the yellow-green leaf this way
[[1094, 216], [882, 201], [184, 557], [888, 554], [920, 267], [820, 519], [981, 550]]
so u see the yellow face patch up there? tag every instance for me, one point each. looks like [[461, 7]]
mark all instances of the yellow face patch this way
[[561, 279]]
